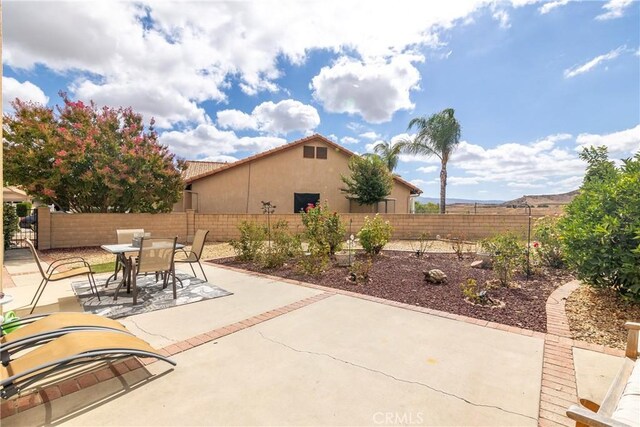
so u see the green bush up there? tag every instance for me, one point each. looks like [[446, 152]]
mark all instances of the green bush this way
[[601, 226], [23, 209], [506, 254], [284, 246], [315, 261], [374, 234], [323, 228], [548, 247], [427, 208], [9, 223], [251, 242]]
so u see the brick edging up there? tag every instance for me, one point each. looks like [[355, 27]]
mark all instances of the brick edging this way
[[55, 391]]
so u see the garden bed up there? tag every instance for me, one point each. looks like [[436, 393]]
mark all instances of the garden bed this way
[[397, 276]]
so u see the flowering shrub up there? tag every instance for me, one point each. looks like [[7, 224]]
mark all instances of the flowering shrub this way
[[324, 230], [374, 234], [506, 254], [548, 246]]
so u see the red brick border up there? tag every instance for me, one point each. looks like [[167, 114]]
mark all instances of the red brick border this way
[[86, 380]]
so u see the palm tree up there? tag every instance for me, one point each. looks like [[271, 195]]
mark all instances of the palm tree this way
[[438, 135], [389, 153]]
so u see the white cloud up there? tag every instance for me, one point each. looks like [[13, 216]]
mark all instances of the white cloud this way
[[591, 64], [374, 90], [349, 140], [624, 142], [25, 91], [275, 119], [166, 58], [207, 141], [427, 169], [502, 17], [549, 6], [614, 9], [333, 137], [370, 135]]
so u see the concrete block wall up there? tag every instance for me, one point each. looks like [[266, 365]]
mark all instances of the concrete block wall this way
[[59, 230]]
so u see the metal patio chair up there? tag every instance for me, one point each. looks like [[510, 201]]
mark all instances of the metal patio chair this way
[[193, 257], [54, 274]]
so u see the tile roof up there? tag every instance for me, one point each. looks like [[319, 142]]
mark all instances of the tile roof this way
[[225, 166], [195, 168]]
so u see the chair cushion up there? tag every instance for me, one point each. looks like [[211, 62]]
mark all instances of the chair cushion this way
[[628, 409]]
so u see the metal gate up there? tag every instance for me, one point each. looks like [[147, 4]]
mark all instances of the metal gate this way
[[27, 229]]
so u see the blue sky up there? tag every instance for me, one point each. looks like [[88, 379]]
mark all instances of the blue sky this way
[[531, 82]]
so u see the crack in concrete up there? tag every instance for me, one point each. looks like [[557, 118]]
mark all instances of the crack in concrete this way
[[446, 393], [151, 333]]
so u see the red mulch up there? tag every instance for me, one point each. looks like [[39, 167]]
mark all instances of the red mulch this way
[[398, 276]]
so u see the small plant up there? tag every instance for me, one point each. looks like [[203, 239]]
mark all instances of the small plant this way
[[23, 209], [251, 241], [422, 246], [359, 270], [475, 294], [9, 224], [284, 246], [374, 234], [324, 228], [548, 245], [315, 262], [506, 254], [458, 245]]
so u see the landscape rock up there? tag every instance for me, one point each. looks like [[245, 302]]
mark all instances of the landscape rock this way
[[435, 276], [480, 264]]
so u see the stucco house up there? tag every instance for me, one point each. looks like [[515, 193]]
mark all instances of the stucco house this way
[[290, 176]]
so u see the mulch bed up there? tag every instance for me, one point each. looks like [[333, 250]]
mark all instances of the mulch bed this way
[[397, 276]]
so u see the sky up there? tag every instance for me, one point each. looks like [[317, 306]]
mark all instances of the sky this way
[[531, 82]]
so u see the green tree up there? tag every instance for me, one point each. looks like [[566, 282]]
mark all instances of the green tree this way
[[89, 159], [437, 135], [426, 208], [600, 231], [389, 153], [370, 180]]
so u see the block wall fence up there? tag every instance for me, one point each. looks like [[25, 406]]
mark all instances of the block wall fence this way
[[63, 230]]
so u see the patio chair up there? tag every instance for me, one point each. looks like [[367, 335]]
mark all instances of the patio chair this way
[[69, 351], [155, 256], [41, 328], [53, 274], [196, 252], [124, 236]]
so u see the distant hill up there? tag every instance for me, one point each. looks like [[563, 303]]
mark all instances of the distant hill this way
[[543, 199], [459, 201]]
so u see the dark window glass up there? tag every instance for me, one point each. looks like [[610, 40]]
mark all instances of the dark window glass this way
[[309, 152], [302, 200], [321, 152]]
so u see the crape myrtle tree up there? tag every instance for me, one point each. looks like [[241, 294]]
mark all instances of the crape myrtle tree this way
[[437, 135], [87, 159], [370, 180]]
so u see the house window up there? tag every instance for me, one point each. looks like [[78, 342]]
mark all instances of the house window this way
[[309, 152], [302, 200], [321, 152]]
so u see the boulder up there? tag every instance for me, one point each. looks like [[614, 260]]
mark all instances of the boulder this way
[[481, 263], [435, 276]]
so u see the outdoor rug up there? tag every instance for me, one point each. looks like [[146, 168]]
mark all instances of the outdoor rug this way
[[151, 296]]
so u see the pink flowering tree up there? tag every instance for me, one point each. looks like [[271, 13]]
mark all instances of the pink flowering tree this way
[[89, 159]]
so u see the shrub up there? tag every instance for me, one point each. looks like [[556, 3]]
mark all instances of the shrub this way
[[315, 261], [323, 228], [251, 242], [601, 227], [9, 223], [284, 246], [23, 209], [374, 234], [506, 253], [359, 270], [548, 246]]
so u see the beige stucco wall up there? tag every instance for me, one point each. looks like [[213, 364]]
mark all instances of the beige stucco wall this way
[[276, 178]]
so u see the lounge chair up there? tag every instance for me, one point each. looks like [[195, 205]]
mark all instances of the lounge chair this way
[[68, 351], [52, 274], [196, 252], [39, 329]]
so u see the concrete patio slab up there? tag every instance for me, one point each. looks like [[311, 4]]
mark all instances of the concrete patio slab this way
[[340, 361], [594, 373]]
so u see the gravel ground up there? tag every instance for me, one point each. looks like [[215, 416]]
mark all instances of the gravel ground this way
[[398, 276], [598, 316]]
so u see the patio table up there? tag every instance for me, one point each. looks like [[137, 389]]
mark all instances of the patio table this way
[[121, 251]]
